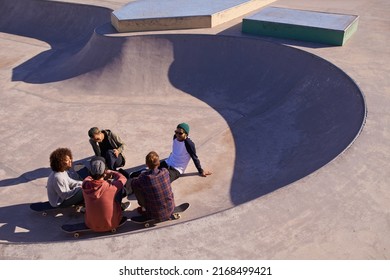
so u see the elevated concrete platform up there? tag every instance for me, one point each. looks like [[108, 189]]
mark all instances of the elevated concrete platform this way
[[318, 27], [146, 15]]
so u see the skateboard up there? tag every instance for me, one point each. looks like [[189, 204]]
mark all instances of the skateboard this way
[[44, 207], [76, 229], [151, 222]]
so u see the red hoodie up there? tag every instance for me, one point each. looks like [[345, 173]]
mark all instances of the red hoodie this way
[[102, 212]]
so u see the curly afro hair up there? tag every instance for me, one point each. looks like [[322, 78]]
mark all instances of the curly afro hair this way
[[57, 159]]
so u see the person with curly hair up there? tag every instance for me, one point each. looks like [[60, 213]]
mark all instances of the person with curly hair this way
[[62, 190]]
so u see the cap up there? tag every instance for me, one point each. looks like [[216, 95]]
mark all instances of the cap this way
[[97, 166]]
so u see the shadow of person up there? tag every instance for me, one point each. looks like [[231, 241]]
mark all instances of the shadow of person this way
[[20, 224], [26, 177]]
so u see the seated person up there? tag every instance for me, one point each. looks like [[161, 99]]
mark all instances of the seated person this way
[[103, 192], [153, 190], [183, 149], [62, 190], [107, 144]]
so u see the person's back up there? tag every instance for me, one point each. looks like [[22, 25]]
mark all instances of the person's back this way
[[157, 192], [153, 190], [102, 199]]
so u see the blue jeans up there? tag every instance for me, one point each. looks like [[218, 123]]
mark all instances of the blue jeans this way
[[112, 161]]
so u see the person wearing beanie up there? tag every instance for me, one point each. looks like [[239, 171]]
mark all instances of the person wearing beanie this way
[[103, 192], [183, 150], [109, 145]]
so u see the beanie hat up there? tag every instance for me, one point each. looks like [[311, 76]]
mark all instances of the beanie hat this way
[[185, 127], [97, 166]]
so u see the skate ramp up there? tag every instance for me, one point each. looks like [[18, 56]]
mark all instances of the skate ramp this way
[[262, 115]]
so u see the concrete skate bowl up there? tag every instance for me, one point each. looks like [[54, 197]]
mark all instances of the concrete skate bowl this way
[[289, 112]]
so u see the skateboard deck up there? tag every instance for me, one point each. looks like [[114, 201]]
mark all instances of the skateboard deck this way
[[76, 229], [151, 222], [44, 207]]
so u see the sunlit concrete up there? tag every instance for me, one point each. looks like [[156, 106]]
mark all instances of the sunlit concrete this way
[[54, 86]]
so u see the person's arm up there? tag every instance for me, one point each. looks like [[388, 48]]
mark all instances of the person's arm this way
[[120, 145], [190, 147], [63, 186], [118, 178], [95, 147]]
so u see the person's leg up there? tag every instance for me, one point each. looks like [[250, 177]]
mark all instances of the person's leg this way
[[173, 174], [112, 161], [118, 198], [76, 199], [163, 164], [119, 162], [140, 197]]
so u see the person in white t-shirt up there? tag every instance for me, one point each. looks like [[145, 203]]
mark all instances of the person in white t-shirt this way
[[183, 149]]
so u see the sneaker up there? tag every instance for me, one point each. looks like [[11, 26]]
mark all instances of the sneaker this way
[[125, 205]]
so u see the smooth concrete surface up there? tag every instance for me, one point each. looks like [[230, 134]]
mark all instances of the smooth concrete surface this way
[[312, 26], [147, 15], [269, 120]]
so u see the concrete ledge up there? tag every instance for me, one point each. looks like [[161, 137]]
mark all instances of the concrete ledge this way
[[318, 27], [148, 15]]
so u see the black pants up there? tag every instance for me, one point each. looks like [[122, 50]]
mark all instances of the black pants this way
[[76, 199], [173, 173]]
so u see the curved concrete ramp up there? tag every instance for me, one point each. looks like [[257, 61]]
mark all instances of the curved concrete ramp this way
[[262, 115], [289, 112], [65, 27]]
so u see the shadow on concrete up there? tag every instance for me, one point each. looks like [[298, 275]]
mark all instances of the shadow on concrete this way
[[26, 177], [20, 224], [42, 172], [297, 112], [66, 27]]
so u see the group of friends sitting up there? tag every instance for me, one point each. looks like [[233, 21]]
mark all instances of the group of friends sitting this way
[[103, 190]]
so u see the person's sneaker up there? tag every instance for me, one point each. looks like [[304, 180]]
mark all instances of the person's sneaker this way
[[125, 205]]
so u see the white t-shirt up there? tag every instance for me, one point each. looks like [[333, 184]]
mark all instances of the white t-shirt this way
[[179, 158]]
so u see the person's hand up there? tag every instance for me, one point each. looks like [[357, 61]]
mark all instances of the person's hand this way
[[107, 175], [206, 173], [116, 152]]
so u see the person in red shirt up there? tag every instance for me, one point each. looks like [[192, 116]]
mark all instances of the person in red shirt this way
[[103, 192], [153, 190]]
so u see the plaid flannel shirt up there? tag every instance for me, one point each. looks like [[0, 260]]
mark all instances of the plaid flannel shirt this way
[[156, 189]]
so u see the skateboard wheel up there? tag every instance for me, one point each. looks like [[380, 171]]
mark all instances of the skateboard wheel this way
[[176, 216], [147, 225], [113, 230], [44, 214], [76, 235]]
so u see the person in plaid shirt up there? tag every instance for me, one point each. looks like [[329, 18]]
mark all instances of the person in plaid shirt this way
[[153, 190]]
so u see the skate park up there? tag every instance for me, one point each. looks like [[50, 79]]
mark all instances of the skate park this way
[[295, 132]]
